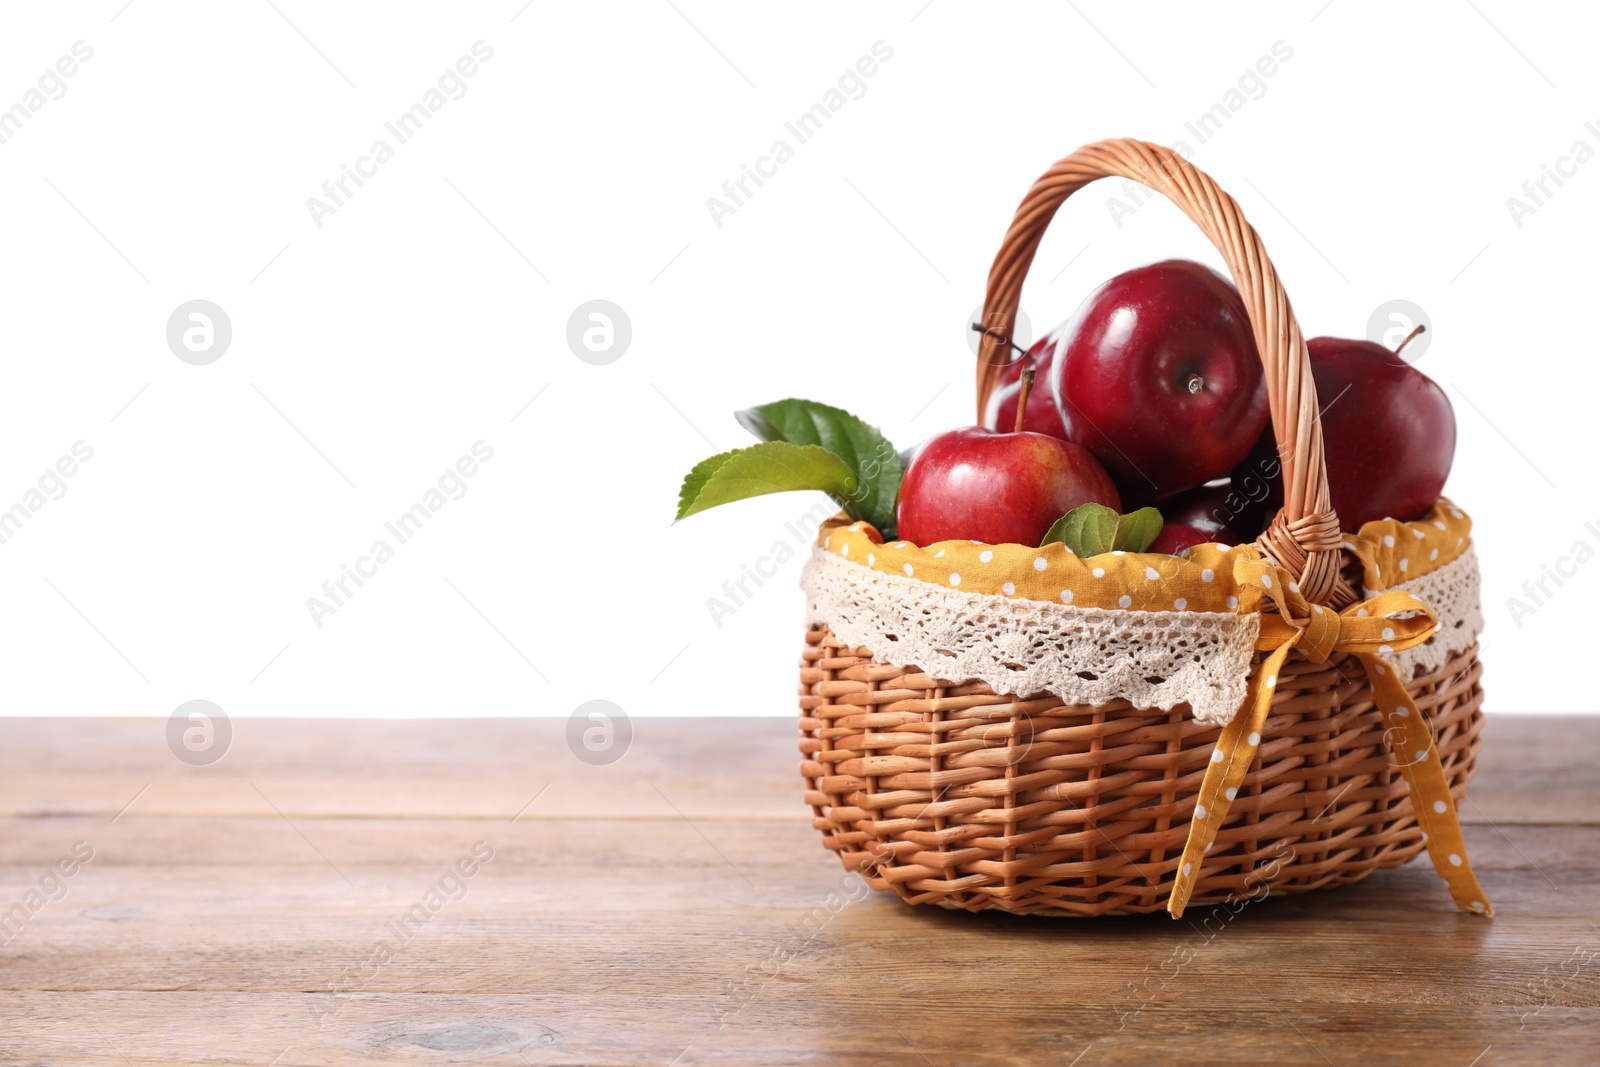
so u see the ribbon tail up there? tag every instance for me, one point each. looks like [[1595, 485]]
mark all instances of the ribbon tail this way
[[1230, 761], [1411, 739]]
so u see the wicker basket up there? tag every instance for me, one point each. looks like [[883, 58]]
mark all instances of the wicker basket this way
[[952, 794]]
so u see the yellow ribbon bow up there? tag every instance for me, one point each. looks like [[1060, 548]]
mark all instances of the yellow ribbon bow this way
[[1369, 631]]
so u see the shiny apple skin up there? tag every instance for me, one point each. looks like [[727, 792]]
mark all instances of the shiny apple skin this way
[[1222, 510], [1388, 430], [1042, 415], [1121, 375], [1000, 488], [1176, 538]]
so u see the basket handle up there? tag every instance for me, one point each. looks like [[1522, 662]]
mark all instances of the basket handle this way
[[1304, 538]]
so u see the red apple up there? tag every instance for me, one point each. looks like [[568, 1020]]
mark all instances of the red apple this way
[[1158, 376], [1388, 430], [1042, 415], [999, 488], [1176, 538], [1228, 511]]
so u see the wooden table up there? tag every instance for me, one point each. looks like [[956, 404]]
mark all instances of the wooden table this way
[[676, 907]]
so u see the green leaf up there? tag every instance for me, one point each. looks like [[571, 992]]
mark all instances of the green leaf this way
[[772, 467], [696, 480], [869, 455], [1137, 529], [758, 424], [1088, 529]]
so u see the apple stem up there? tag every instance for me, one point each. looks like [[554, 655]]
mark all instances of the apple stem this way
[[990, 331], [1420, 327], [1023, 390]]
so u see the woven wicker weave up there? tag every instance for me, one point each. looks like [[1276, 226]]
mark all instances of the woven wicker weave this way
[[953, 795]]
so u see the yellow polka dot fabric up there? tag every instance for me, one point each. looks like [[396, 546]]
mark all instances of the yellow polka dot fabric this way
[[1217, 578], [1392, 552], [1211, 577]]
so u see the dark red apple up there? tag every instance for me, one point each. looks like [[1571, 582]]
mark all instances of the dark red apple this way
[[1176, 538], [999, 488], [1229, 512], [1158, 376], [1042, 416], [1388, 430]]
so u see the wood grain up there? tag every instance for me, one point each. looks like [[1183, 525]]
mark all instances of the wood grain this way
[[676, 907]]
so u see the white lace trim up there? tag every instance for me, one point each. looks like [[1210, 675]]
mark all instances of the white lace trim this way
[[1452, 592], [1085, 656]]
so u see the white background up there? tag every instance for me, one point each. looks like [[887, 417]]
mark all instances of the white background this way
[[368, 354]]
